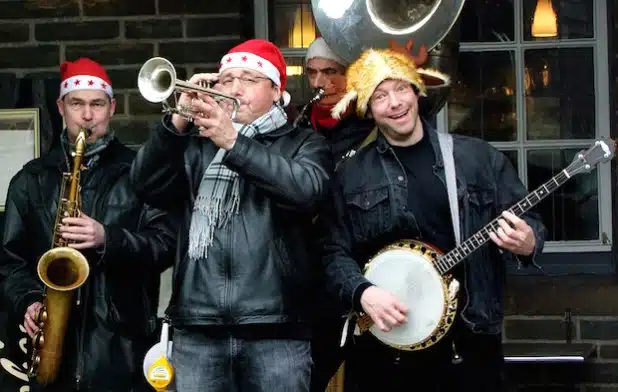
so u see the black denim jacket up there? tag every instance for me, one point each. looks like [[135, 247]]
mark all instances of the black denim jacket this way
[[368, 211]]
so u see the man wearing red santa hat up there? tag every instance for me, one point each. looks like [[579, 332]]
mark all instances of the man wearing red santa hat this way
[[127, 244], [248, 189]]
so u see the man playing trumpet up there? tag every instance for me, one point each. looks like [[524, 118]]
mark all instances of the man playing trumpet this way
[[247, 190]]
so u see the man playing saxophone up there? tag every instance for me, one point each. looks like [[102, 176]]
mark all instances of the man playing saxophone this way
[[112, 317]]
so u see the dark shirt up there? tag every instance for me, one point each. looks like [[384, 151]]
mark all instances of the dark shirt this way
[[428, 210], [427, 195]]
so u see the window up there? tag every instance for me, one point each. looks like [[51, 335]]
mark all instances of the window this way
[[292, 29], [532, 80]]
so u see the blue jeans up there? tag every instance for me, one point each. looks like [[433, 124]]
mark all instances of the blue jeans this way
[[230, 364]]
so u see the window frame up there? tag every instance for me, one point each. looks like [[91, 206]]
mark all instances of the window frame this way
[[599, 44], [559, 257]]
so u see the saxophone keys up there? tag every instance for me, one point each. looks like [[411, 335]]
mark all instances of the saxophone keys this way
[[41, 316], [34, 366], [39, 340]]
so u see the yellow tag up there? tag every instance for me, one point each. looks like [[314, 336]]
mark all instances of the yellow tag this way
[[160, 374]]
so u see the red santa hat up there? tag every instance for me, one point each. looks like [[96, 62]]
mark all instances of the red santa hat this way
[[261, 56], [84, 74]]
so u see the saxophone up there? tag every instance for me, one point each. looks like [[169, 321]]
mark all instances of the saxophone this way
[[62, 270]]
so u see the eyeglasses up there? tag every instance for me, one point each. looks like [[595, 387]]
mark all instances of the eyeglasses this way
[[245, 80]]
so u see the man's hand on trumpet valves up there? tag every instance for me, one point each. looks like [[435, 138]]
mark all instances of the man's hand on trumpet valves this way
[[185, 98], [214, 122]]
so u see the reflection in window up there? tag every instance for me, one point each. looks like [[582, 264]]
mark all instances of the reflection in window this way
[[482, 102], [293, 25], [570, 213], [487, 21], [297, 84], [560, 97], [575, 18]]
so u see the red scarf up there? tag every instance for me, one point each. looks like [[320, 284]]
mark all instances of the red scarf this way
[[321, 117]]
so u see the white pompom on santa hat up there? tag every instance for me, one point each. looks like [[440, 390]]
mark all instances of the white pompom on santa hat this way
[[261, 56], [84, 74]]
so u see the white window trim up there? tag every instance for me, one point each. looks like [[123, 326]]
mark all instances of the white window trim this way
[[602, 121]]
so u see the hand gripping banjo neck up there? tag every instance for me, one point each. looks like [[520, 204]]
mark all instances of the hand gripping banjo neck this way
[[449, 260], [419, 275], [584, 161]]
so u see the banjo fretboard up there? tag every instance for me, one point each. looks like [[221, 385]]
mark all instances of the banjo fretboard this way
[[449, 260]]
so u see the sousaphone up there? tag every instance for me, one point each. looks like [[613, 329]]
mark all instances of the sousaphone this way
[[351, 26]]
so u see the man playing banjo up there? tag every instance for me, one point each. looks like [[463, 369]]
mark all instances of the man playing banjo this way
[[395, 188]]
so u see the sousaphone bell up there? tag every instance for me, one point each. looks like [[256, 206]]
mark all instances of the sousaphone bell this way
[[352, 26]]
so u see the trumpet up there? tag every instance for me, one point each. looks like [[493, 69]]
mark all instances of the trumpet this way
[[157, 81]]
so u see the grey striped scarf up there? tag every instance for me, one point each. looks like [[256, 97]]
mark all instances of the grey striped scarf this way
[[218, 195]]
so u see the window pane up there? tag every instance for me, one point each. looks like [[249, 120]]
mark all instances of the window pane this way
[[574, 19], [482, 102], [292, 24], [560, 93], [571, 212], [297, 84], [487, 21]]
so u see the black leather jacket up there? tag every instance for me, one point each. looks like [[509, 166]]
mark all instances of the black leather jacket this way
[[258, 269], [109, 333], [368, 212], [347, 135]]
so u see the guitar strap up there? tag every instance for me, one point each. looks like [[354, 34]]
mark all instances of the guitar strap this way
[[446, 146]]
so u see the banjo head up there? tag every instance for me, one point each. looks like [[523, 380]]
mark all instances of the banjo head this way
[[406, 270]]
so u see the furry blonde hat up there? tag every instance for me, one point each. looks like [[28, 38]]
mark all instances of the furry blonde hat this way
[[377, 65]]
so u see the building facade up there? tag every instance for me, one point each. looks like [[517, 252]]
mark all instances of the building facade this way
[[539, 99]]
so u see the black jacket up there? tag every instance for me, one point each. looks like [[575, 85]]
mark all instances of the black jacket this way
[[258, 269], [109, 333], [347, 135], [369, 211]]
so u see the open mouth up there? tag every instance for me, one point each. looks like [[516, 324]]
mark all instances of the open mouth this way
[[399, 115]]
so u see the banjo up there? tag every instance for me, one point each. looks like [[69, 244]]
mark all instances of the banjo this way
[[419, 275]]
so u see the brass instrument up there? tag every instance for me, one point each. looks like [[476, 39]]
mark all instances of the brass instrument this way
[[157, 81], [362, 24], [62, 270], [318, 95]]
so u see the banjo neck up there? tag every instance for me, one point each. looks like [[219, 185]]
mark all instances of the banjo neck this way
[[449, 260]]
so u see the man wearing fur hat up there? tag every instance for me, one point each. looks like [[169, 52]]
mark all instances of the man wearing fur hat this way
[[247, 190], [396, 188], [126, 243]]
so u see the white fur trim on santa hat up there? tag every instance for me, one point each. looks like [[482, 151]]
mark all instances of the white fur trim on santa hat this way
[[285, 98], [253, 62], [319, 48], [85, 82]]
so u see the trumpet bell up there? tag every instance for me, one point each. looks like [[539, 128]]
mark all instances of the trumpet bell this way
[[156, 80]]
